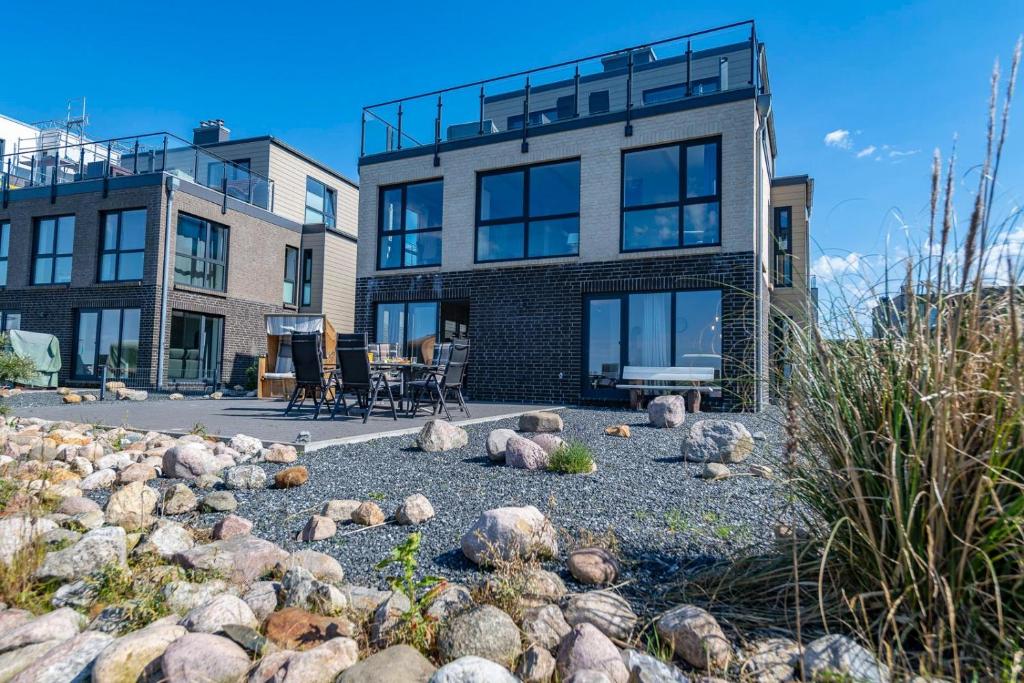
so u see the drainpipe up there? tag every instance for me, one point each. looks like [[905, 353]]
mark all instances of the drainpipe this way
[[171, 185]]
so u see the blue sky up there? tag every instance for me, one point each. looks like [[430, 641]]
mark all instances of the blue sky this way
[[899, 78]]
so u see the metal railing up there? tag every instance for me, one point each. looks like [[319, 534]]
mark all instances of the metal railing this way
[[693, 65], [143, 376], [134, 155]]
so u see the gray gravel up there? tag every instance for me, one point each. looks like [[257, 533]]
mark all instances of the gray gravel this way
[[45, 398]]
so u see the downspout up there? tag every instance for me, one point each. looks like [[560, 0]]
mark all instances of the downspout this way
[[171, 185], [758, 265]]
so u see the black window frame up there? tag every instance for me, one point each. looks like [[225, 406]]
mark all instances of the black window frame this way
[[306, 291], [682, 202], [329, 194], [205, 259], [403, 231], [117, 251], [405, 319], [76, 337], [294, 253], [5, 226], [54, 255], [524, 217], [218, 366], [782, 276]]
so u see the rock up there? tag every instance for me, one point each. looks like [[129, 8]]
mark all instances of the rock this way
[[166, 539], [368, 514], [247, 638], [589, 676], [666, 411], [131, 395], [537, 665], [14, 662], [176, 397], [130, 656], [280, 453], [242, 558], [496, 441], [618, 430], [339, 510], [303, 437], [248, 446], [362, 600], [594, 566], [387, 618], [396, 664], [321, 565], [415, 509], [231, 526], [485, 632], [189, 460], [540, 421], [587, 649], [73, 505], [453, 600], [100, 479], [510, 532], [262, 598], [524, 454], [322, 664], [221, 610], [219, 501], [541, 587], [294, 628], [762, 471], [722, 441], [301, 589], [643, 668], [472, 669], [183, 597], [245, 477], [215, 396], [132, 506], [695, 636], [179, 500], [760, 436], [60, 537], [72, 660], [204, 657], [61, 624], [136, 472], [90, 520], [440, 435], [18, 532], [772, 660], [208, 481], [96, 549], [715, 471], [77, 594], [549, 442], [606, 610], [291, 477], [545, 626], [318, 528], [841, 657]]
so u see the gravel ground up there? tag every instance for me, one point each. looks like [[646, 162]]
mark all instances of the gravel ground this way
[[45, 398]]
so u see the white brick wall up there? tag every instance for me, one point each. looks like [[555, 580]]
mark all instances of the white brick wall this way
[[599, 149]]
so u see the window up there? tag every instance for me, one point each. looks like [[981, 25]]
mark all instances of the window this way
[[54, 245], [410, 225], [783, 246], [531, 212], [407, 325], [654, 329], [5, 248], [201, 253], [319, 203], [196, 344], [671, 196], [10, 320], [238, 185], [291, 274], [123, 246], [107, 336], [307, 277]]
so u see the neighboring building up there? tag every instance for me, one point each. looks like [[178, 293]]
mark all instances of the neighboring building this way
[[616, 211], [240, 228]]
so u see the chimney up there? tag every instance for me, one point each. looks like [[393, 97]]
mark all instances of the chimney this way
[[210, 132]]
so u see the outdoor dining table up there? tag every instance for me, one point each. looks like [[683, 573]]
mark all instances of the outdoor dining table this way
[[406, 368]]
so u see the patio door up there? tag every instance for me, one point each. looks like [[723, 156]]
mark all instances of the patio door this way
[[603, 350]]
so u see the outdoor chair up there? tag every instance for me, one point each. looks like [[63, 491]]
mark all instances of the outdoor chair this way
[[310, 380], [439, 385], [358, 379]]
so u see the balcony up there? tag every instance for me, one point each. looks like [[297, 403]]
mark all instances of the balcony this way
[[118, 157], [714, 65]]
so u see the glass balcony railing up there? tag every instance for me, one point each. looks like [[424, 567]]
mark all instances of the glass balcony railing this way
[[116, 157], [622, 82]]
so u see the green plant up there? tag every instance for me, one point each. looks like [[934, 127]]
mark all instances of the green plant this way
[[199, 429], [676, 521], [572, 458], [13, 368], [377, 496], [417, 628], [251, 377]]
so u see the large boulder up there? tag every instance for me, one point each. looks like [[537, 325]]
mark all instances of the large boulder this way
[[496, 442], [204, 657], [453, 600], [189, 460], [322, 664], [607, 611], [242, 558], [72, 660], [549, 442], [132, 506], [322, 566], [396, 664], [340, 510], [16, 661], [440, 435], [246, 446], [770, 660], [230, 526], [485, 632], [217, 613], [545, 626], [840, 657], [17, 532], [471, 669], [166, 539], [95, 550], [262, 598], [130, 656], [587, 649], [294, 628], [694, 634], [540, 421], [666, 411], [244, 477], [506, 533], [723, 441], [524, 454], [60, 624], [415, 509]]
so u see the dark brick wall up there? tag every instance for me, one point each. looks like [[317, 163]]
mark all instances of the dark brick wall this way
[[526, 323]]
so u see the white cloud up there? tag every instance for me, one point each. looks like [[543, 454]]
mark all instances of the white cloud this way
[[834, 267], [897, 155], [866, 152], [838, 138]]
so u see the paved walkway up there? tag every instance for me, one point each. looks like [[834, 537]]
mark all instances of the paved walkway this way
[[263, 419]]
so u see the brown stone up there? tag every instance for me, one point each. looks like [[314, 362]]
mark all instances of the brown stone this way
[[294, 628], [231, 526], [618, 430], [291, 477], [368, 514], [594, 566]]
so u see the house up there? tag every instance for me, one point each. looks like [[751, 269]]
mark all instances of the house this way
[[160, 257], [614, 211]]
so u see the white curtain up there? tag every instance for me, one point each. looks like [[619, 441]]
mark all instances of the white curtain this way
[[649, 318]]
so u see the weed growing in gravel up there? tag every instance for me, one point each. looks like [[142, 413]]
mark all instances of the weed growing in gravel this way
[[417, 629], [138, 593], [377, 496], [199, 429], [18, 586], [675, 521], [572, 458]]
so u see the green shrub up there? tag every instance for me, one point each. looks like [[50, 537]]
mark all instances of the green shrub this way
[[572, 458], [417, 628]]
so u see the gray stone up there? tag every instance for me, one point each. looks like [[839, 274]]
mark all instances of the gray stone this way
[[440, 435], [242, 558], [607, 611], [248, 446], [387, 618], [507, 533], [453, 600], [541, 587], [208, 481], [540, 421], [223, 609], [485, 632], [340, 510], [644, 668], [722, 441], [190, 460], [587, 649], [549, 442], [17, 532], [262, 598], [74, 505], [78, 594], [90, 520], [100, 479], [537, 665], [841, 656], [14, 662], [545, 626], [72, 660], [524, 454], [132, 506], [128, 658], [415, 509], [772, 660], [695, 636], [472, 669], [245, 477], [496, 441], [396, 664], [362, 599], [179, 500], [95, 550], [300, 589], [321, 565], [131, 395], [166, 539], [321, 664], [219, 501], [666, 411], [589, 676], [204, 657], [715, 471], [61, 624], [247, 638], [318, 528], [60, 537]]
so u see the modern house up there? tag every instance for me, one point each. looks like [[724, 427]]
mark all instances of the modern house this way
[[614, 211], [161, 257]]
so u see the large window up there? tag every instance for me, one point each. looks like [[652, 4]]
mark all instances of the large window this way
[[407, 325], [291, 275], [410, 225], [10, 320], [123, 246], [307, 277], [529, 212], [5, 248], [106, 336], [201, 253], [320, 205], [651, 329], [54, 245], [671, 196], [196, 344], [783, 230]]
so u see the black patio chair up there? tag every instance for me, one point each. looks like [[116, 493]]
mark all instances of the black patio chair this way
[[438, 385], [310, 380], [357, 378]]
